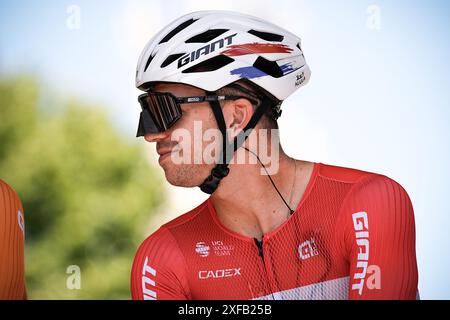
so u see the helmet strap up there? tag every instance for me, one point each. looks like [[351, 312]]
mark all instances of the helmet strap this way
[[221, 170]]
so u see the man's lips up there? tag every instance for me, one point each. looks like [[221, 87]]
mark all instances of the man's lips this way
[[163, 151], [163, 154]]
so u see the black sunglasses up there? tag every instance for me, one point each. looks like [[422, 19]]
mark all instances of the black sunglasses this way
[[160, 110]]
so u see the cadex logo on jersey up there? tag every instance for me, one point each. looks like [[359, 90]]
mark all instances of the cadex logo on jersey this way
[[221, 273], [205, 50]]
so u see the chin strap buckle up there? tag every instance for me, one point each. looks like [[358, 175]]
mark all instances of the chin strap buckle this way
[[211, 183], [220, 171], [276, 111]]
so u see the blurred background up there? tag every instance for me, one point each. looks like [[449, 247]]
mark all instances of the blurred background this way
[[378, 100]]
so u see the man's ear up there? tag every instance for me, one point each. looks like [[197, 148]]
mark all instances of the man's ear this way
[[237, 114]]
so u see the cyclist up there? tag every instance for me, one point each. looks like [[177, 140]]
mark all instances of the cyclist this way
[[12, 275], [302, 231]]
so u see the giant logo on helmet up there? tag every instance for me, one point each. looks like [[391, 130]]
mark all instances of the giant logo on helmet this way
[[209, 48]]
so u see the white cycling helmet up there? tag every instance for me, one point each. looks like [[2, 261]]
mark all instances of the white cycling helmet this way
[[211, 49]]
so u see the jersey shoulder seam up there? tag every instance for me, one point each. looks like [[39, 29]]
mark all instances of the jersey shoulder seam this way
[[339, 216], [357, 183], [185, 218], [363, 176], [164, 228]]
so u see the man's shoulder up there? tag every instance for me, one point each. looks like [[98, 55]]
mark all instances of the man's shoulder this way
[[9, 199], [170, 231], [187, 217], [360, 179], [7, 191], [343, 174]]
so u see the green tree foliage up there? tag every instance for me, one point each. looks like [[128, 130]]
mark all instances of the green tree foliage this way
[[87, 193]]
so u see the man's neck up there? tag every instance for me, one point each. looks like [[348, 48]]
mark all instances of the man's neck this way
[[246, 202]]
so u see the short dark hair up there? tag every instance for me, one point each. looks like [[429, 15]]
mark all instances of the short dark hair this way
[[255, 93]]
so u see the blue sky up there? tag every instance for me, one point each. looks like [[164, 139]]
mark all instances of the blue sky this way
[[378, 99]]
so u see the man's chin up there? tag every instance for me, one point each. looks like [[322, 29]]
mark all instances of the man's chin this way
[[180, 183], [179, 180]]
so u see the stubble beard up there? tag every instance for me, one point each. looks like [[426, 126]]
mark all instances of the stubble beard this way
[[186, 175]]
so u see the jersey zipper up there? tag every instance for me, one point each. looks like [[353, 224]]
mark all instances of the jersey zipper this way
[[259, 244]]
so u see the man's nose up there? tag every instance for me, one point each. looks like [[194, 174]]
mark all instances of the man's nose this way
[[155, 137]]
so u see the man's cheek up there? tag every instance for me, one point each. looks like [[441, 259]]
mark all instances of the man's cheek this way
[[181, 153], [213, 146]]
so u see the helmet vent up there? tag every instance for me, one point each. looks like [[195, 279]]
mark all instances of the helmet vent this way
[[269, 67], [206, 36], [267, 35], [182, 26], [210, 64], [148, 62], [171, 59]]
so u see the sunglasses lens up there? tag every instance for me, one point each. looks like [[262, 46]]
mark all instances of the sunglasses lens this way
[[162, 108]]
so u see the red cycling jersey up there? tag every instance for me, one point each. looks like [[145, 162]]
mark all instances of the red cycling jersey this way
[[352, 236], [12, 239]]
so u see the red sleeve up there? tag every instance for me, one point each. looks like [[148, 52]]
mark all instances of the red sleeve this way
[[12, 239], [159, 269], [379, 240]]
